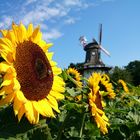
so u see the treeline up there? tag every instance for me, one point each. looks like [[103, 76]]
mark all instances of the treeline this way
[[129, 73]]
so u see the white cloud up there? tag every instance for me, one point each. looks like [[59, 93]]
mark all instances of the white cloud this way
[[45, 11], [53, 34], [6, 22], [108, 0], [70, 21], [33, 16], [72, 2], [55, 12], [43, 26], [80, 4], [30, 1]]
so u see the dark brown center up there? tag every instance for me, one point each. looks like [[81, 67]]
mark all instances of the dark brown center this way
[[40, 68], [98, 101], [34, 71]]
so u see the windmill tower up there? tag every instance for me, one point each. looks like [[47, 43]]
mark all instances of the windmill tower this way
[[93, 60]]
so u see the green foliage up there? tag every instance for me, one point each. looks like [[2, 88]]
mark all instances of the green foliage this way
[[10, 128], [130, 73], [134, 68], [78, 66], [124, 116], [75, 121], [119, 73]]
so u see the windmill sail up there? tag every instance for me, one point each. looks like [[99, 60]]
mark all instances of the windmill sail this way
[[83, 41], [100, 40], [100, 34], [104, 50]]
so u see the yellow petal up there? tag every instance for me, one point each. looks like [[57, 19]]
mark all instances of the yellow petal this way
[[4, 67], [57, 95], [8, 76], [56, 70], [22, 33], [8, 57], [30, 30], [2, 92], [20, 96], [7, 79], [21, 112], [16, 85], [7, 89], [38, 108], [46, 107], [6, 44], [36, 36], [17, 104], [11, 36], [49, 55], [105, 117], [29, 112], [57, 87], [32, 114], [6, 83], [45, 46], [53, 63], [53, 103], [59, 80], [8, 99], [43, 108], [49, 45], [42, 44], [36, 116], [16, 32], [4, 32]]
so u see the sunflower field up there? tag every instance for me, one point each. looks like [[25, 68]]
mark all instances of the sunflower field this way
[[40, 101]]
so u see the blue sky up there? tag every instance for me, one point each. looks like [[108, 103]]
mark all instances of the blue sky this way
[[64, 21]]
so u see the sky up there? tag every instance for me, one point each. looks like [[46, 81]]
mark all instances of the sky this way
[[62, 22]]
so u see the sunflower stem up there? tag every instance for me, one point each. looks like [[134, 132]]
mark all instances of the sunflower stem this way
[[82, 125], [62, 127], [73, 80]]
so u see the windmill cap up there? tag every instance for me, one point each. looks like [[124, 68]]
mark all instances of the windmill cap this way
[[91, 45]]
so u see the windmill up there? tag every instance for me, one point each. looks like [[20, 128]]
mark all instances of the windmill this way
[[93, 50], [93, 60]]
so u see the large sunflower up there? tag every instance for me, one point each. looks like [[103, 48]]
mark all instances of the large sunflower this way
[[95, 103], [76, 75], [30, 77]]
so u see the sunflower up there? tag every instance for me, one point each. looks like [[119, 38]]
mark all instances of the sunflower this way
[[30, 77], [123, 85], [95, 103], [105, 81], [75, 75]]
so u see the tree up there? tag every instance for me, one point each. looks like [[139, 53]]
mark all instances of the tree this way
[[134, 69], [78, 66], [120, 73]]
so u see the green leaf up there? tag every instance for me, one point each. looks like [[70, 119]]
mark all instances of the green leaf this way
[[10, 128]]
